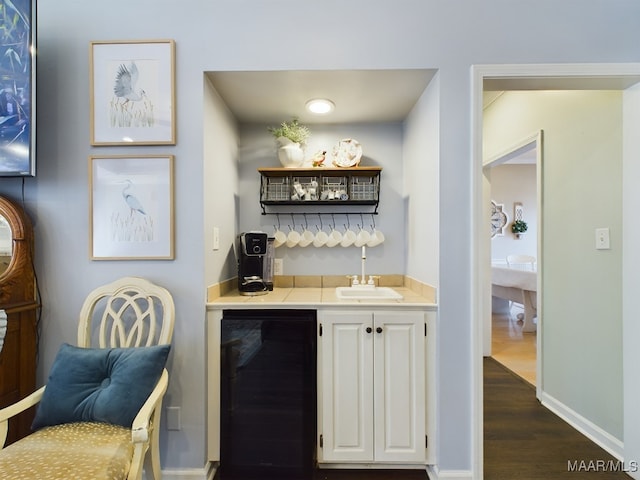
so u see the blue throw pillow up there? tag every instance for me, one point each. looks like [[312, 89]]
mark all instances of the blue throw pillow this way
[[99, 384]]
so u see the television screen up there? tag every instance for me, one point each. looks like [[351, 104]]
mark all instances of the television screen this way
[[17, 87]]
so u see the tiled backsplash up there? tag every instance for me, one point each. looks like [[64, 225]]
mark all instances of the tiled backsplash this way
[[327, 281]]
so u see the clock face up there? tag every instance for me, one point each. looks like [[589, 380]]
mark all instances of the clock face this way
[[498, 219]]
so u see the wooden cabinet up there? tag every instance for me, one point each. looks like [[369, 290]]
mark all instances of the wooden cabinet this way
[[18, 299], [373, 374]]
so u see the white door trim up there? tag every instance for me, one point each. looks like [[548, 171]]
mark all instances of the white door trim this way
[[564, 76]]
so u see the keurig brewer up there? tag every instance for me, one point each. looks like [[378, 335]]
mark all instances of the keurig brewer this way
[[254, 264]]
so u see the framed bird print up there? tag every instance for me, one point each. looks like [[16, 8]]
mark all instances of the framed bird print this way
[[131, 207], [132, 92]]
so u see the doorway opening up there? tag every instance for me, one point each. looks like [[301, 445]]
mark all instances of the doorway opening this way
[[511, 335], [621, 78]]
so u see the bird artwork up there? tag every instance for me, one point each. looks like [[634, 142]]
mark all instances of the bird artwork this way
[[125, 84], [131, 200], [131, 222], [130, 106]]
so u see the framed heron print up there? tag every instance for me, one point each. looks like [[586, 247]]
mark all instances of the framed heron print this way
[[131, 207], [132, 92]]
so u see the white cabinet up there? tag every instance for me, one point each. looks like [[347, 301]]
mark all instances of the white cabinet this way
[[372, 395]]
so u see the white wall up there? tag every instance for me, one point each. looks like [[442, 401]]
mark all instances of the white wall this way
[[254, 35], [631, 275], [581, 300], [220, 186], [421, 153], [515, 184]]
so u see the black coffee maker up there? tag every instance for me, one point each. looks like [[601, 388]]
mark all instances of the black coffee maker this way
[[255, 259]]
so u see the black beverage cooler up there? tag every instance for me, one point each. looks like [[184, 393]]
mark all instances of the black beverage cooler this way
[[268, 394]]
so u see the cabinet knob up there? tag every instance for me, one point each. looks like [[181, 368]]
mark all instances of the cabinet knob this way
[[379, 329], [369, 329]]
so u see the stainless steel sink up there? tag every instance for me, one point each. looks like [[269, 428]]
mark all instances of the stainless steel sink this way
[[367, 293]]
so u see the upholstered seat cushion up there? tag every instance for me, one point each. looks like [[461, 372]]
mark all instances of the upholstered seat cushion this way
[[60, 453], [99, 384]]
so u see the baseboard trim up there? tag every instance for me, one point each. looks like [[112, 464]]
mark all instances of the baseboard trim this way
[[209, 471], [435, 473], [370, 466], [205, 473], [593, 432]]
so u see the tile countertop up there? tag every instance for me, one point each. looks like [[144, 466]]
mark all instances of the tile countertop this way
[[318, 298]]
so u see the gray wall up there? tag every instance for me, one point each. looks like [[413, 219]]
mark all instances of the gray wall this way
[[382, 146], [226, 35]]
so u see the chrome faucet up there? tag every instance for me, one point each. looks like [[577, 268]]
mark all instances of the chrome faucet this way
[[363, 279]]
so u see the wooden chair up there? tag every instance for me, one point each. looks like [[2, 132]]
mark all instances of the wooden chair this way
[[125, 315], [523, 262]]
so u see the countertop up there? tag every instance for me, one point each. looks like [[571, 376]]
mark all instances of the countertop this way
[[318, 298]]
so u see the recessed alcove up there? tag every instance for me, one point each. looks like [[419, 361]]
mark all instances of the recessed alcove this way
[[394, 114]]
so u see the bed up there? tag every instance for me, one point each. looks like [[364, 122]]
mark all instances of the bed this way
[[518, 286]]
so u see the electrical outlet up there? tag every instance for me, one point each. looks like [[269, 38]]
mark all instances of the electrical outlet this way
[[173, 418], [278, 266]]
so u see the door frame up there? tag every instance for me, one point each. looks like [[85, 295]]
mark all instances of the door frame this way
[[552, 76]]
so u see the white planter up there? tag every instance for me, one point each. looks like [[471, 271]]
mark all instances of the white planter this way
[[290, 153]]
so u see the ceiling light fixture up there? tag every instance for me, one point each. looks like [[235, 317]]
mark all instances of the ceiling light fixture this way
[[320, 106]]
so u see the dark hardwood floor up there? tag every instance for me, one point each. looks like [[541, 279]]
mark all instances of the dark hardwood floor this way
[[330, 474], [370, 475], [524, 440]]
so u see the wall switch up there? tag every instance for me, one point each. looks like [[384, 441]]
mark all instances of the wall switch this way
[[602, 239], [216, 238], [278, 266], [173, 418]]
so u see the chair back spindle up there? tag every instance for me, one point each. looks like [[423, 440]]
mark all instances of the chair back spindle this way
[[130, 312]]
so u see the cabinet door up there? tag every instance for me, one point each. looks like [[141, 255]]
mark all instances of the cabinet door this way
[[399, 386], [347, 386]]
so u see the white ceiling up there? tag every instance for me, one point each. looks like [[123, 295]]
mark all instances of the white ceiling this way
[[360, 96], [365, 96]]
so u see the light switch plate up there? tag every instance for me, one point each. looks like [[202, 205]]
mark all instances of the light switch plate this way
[[602, 239], [216, 238]]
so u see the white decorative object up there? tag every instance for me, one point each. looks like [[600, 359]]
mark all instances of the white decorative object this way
[[3, 327], [290, 153], [518, 211], [347, 153], [498, 219], [519, 226]]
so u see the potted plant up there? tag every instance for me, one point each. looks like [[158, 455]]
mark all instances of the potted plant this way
[[290, 136], [519, 227]]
